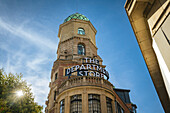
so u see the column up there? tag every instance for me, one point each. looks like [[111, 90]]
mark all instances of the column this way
[[114, 106], [85, 108], [67, 104], [58, 106], [103, 103]]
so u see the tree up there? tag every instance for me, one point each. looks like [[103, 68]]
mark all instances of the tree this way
[[10, 102]]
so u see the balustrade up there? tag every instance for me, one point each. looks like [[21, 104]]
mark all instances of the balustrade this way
[[85, 81]]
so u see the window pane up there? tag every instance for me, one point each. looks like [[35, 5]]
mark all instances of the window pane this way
[[94, 103], [62, 106], [109, 105], [81, 49], [76, 104], [81, 31]]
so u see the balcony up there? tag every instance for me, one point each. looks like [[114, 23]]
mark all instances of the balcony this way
[[85, 81]]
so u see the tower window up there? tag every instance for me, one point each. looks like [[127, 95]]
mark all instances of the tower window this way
[[81, 49], [76, 104], [62, 106], [109, 105], [94, 103], [81, 31]]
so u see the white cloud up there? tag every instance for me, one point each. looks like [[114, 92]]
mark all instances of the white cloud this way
[[34, 64], [39, 87], [33, 72], [26, 34]]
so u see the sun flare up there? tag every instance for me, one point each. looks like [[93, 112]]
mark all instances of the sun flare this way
[[19, 93]]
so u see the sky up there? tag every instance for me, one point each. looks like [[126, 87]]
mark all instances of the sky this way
[[28, 45]]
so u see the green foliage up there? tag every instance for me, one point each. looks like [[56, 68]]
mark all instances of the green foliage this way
[[10, 102]]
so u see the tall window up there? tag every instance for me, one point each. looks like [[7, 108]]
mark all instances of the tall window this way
[[76, 104], [109, 105], [56, 76], [119, 109], [81, 31], [62, 106], [81, 49], [94, 103], [55, 93]]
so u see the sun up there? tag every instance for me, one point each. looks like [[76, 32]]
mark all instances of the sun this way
[[19, 93]]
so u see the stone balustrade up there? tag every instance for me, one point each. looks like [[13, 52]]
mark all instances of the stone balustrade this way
[[85, 81]]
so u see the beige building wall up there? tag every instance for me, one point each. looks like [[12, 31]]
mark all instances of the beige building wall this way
[[70, 29], [88, 85], [162, 39], [151, 24], [159, 24]]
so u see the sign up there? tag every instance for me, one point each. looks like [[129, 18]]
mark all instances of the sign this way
[[89, 67]]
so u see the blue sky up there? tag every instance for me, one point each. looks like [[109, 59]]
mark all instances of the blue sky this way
[[28, 45]]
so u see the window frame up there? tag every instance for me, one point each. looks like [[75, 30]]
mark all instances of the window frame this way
[[94, 104], [83, 51], [62, 106], [109, 105], [81, 31], [76, 103]]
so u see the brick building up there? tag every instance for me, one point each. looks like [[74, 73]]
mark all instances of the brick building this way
[[79, 80]]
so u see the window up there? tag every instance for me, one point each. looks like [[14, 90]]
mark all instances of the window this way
[[62, 106], [134, 108], [119, 109], [109, 105], [81, 49], [81, 31], [56, 76], [55, 93], [94, 103], [124, 95], [76, 104]]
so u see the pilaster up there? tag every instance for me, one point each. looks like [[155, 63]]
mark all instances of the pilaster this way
[[103, 103]]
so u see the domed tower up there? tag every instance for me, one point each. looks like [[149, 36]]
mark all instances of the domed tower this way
[[76, 33], [79, 80]]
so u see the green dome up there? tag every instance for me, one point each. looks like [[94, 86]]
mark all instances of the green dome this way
[[76, 16]]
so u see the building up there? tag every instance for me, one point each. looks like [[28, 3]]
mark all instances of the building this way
[[79, 80], [151, 24]]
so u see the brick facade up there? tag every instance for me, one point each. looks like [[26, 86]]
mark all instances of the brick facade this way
[[64, 86]]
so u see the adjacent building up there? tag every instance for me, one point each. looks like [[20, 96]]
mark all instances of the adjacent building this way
[[79, 80], [150, 21]]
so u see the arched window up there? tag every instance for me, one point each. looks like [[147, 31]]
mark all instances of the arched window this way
[[81, 49], [62, 106], [76, 104], [81, 31], [109, 105], [94, 103]]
